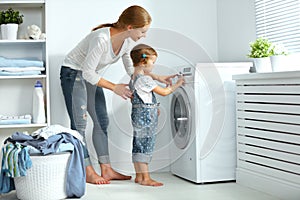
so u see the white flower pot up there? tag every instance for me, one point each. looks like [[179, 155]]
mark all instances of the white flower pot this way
[[262, 64], [9, 31], [279, 63]]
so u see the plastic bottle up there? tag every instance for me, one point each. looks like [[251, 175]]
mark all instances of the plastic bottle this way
[[38, 104]]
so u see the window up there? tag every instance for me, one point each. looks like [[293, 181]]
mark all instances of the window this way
[[279, 21]]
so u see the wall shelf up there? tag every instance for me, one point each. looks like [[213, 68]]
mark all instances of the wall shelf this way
[[21, 41], [18, 90], [22, 126], [23, 77]]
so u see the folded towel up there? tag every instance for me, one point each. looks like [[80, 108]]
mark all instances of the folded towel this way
[[22, 73], [21, 69], [7, 120], [20, 62]]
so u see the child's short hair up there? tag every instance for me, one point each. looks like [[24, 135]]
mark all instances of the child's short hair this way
[[140, 53]]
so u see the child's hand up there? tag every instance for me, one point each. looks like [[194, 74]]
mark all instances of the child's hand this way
[[180, 80], [166, 79]]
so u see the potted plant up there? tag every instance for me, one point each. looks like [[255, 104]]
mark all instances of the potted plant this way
[[278, 49], [278, 57], [260, 53], [9, 21]]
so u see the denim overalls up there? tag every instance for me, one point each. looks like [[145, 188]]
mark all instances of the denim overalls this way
[[144, 118]]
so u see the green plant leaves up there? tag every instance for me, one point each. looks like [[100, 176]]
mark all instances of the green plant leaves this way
[[278, 49], [11, 16], [260, 48]]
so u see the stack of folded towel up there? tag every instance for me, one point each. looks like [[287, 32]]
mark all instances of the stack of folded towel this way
[[19, 67], [8, 120]]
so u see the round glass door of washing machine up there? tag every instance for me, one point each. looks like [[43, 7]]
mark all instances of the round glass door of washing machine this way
[[181, 121]]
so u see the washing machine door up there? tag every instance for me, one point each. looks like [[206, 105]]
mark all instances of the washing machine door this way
[[181, 117]]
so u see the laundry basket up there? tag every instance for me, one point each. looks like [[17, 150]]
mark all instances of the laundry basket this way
[[45, 180]]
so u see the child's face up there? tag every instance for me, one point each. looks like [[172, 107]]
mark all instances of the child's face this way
[[150, 64]]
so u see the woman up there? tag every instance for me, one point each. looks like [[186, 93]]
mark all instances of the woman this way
[[82, 82]]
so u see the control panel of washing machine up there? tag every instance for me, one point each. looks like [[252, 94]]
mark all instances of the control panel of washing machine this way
[[187, 71], [187, 74]]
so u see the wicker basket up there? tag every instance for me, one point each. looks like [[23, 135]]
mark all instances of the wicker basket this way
[[45, 180]]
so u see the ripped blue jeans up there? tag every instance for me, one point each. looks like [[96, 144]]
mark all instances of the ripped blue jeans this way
[[82, 97]]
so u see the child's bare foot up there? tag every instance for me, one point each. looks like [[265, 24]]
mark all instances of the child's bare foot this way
[[138, 178], [93, 178], [109, 174], [151, 182], [143, 176]]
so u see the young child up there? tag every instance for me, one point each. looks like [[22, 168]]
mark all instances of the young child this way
[[145, 111]]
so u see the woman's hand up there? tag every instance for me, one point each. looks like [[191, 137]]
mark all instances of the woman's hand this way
[[119, 89], [122, 91]]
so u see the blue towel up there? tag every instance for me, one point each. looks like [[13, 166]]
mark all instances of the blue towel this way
[[23, 73], [23, 119], [20, 62], [24, 161], [16, 170]]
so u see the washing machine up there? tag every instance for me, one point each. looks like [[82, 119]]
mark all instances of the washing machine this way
[[202, 118]]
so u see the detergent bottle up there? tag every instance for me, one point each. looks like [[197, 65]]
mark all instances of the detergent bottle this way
[[38, 104]]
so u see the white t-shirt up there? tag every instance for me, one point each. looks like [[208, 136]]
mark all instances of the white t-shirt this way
[[93, 53], [144, 85]]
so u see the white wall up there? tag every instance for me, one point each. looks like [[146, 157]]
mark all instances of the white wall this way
[[194, 19], [236, 29], [194, 30], [66, 25], [69, 21], [218, 29]]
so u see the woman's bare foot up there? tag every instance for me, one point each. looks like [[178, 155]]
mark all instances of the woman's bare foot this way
[[93, 178], [151, 182], [109, 174]]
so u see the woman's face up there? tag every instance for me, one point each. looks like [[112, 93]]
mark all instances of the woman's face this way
[[138, 33]]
